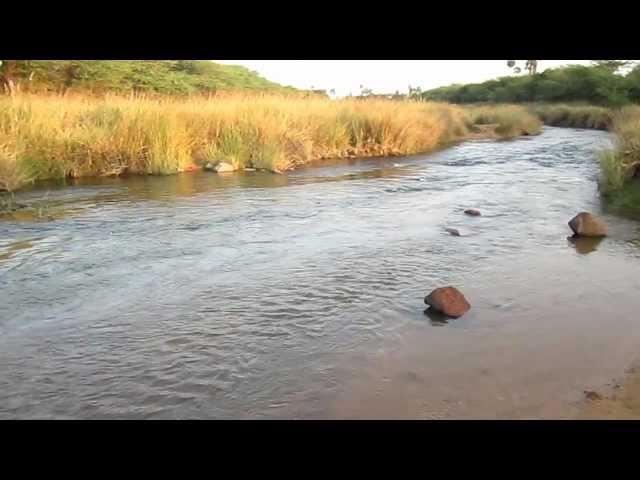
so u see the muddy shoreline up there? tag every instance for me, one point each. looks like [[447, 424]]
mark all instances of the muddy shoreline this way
[[620, 402]]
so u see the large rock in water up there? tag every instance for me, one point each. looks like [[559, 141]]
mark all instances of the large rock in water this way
[[448, 300], [224, 167], [587, 225]]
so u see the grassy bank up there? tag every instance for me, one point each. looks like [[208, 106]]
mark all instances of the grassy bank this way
[[620, 166], [620, 180], [511, 120], [573, 116], [48, 137]]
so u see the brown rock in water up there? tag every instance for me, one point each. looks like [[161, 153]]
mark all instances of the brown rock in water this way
[[592, 395], [448, 300], [587, 225], [453, 232], [224, 167], [473, 212]]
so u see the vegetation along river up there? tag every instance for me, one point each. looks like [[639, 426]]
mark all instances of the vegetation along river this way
[[301, 296]]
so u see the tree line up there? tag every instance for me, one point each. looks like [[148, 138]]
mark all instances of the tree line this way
[[604, 82]]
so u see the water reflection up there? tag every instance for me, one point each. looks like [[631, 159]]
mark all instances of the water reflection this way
[[585, 245], [15, 247], [436, 318]]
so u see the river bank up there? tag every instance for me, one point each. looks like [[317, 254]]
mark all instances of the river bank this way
[[621, 401], [46, 137], [619, 181]]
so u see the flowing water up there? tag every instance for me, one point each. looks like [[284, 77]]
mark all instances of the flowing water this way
[[301, 296]]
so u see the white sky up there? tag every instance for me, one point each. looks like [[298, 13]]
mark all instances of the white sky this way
[[384, 76]]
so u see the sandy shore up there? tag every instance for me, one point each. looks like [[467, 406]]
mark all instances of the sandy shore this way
[[622, 403]]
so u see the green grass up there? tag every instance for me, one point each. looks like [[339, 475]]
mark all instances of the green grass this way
[[613, 173], [620, 167], [626, 199]]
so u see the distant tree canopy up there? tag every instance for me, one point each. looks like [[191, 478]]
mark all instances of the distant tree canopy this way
[[159, 76], [614, 66], [598, 84]]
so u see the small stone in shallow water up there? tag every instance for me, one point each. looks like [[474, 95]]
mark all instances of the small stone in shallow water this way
[[586, 224], [448, 300], [224, 167], [592, 396], [473, 212], [453, 232]]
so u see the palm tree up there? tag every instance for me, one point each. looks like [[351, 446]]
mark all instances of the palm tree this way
[[531, 66]]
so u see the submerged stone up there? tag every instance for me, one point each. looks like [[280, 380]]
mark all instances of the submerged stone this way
[[593, 396], [473, 212]]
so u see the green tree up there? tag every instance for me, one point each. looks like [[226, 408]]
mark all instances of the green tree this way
[[613, 66], [415, 93], [633, 84]]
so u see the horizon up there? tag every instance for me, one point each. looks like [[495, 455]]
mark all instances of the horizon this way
[[384, 76]]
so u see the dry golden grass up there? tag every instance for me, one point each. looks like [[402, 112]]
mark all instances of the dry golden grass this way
[[575, 116], [48, 136], [12, 176], [511, 120], [622, 164], [54, 136]]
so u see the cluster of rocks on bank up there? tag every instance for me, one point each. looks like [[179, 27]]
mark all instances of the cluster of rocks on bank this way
[[222, 167], [225, 167]]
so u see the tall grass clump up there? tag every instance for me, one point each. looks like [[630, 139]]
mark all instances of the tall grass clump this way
[[510, 120], [57, 136], [620, 167], [574, 116], [612, 171], [12, 173]]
